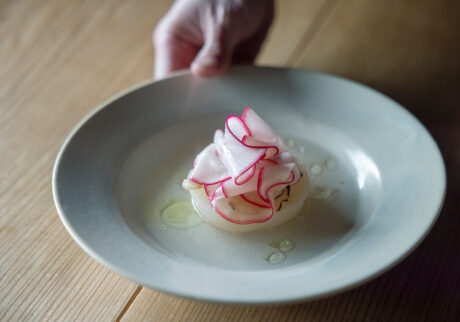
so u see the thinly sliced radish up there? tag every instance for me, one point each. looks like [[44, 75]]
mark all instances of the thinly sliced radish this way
[[265, 137], [260, 129], [254, 199], [219, 193], [273, 179], [237, 127], [246, 176], [237, 157], [244, 169], [210, 189], [230, 209], [249, 173], [271, 149], [232, 188], [209, 169], [284, 157]]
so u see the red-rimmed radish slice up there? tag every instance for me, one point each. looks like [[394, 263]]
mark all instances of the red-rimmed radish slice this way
[[272, 180], [237, 127], [246, 176], [238, 211], [209, 169], [211, 189], [258, 127], [261, 130], [219, 193], [237, 157], [271, 150], [284, 157], [232, 188], [254, 199]]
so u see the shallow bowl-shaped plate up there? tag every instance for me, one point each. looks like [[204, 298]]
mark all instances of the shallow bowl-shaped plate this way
[[378, 183]]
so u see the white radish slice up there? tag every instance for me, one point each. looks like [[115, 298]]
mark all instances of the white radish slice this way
[[253, 198], [238, 211], [236, 157], [231, 188], [237, 127], [272, 180], [209, 169], [206, 211], [284, 157], [271, 150], [246, 175], [261, 130], [211, 189]]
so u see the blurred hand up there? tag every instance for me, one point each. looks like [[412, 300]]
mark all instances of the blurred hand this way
[[208, 35]]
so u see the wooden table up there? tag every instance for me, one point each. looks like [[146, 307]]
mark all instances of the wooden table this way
[[59, 59]]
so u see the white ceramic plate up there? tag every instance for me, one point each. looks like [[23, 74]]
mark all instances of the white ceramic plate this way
[[386, 188]]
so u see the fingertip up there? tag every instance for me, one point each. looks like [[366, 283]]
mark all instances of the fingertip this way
[[157, 75], [208, 67], [160, 70], [207, 72]]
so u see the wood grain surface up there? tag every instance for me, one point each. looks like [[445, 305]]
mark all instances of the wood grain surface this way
[[60, 59]]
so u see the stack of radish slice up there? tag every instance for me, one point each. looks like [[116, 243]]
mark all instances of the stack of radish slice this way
[[244, 170]]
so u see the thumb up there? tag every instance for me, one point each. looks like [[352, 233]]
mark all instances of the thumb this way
[[215, 56]]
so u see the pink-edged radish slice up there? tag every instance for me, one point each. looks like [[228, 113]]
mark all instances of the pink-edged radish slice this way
[[211, 189], [238, 211], [254, 199], [261, 130], [231, 188], [236, 157], [249, 180], [239, 221], [272, 180], [236, 126], [209, 169]]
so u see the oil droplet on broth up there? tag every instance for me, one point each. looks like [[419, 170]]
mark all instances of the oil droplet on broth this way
[[290, 142], [316, 169], [180, 215], [320, 192], [284, 245], [330, 164], [275, 257]]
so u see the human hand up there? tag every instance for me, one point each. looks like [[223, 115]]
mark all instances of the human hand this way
[[208, 35]]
